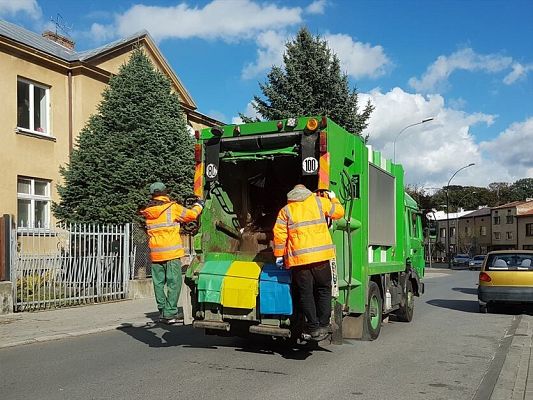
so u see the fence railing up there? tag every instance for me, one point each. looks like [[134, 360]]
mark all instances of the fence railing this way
[[71, 264]]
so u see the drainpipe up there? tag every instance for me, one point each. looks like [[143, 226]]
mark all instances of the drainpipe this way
[[70, 138]]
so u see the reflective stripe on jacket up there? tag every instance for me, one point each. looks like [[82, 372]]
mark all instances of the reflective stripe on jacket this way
[[301, 233], [163, 228]]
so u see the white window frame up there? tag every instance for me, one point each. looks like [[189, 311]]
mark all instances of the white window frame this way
[[31, 110], [32, 197]]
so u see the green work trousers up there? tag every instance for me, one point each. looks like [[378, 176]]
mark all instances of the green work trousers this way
[[169, 273]]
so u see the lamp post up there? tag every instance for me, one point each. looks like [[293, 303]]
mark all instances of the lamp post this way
[[399, 133], [448, 213]]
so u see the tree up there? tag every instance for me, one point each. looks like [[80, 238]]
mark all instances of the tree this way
[[522, 189], [311, 83], [138, 136]]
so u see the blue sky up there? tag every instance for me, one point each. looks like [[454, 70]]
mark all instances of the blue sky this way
[[467, 64]]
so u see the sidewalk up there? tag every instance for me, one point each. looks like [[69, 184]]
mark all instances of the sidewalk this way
[[41, 326], [515, 381]]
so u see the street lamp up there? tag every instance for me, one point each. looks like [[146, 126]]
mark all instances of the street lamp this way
[[399, 133], [448, 214]]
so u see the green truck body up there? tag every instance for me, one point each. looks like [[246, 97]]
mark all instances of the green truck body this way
[[244, 173]]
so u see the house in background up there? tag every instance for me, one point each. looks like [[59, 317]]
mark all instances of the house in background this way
[[524, 225], [474, 232], [49, 90]]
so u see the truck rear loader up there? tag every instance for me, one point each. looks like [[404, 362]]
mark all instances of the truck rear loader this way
[[243, 172]]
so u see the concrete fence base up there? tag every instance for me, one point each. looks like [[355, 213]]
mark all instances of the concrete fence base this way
[[140, 289], [6, 297]]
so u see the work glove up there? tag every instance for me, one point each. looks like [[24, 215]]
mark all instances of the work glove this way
[[279, 262], [200, 203], [331, 194]]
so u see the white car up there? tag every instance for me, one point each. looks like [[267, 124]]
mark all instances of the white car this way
[[476, 262]]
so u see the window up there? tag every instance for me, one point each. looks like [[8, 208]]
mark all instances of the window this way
[[452, 231], [33, 203], [442, 232], [529, 229], [508, 235], [32, 107], [509, 219], [496, 220], [483, 230], [497, 235]]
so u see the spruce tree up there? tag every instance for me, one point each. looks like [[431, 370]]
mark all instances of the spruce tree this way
[[311, 83], [138, 136]]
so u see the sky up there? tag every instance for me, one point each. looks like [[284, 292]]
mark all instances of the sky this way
[[468, 64]]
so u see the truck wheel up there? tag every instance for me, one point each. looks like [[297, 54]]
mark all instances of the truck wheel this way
[[405, 312], [373, 314]]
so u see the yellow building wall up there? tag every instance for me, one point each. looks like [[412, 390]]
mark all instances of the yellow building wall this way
[[23, 155]]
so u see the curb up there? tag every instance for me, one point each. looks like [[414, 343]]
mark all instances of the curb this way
[[48, 338]]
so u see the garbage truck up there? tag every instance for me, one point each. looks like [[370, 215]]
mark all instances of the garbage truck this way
[[243, 173]]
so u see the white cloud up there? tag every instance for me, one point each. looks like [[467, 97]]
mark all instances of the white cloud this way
[[219, 19], [466, 59], [433, 151], [316, 7], [512, 148], [358, 59], [250, 112], [12, 7], [101, 33], [271, 46], [519, 72]]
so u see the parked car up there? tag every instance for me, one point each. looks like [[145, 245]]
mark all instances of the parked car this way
[[461, 260], [476, 262], [506, 276]]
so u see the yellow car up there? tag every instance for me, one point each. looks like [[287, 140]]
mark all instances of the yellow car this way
[[506, 277]]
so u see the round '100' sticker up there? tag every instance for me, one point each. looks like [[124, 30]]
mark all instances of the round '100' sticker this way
[[211, 171], [310, 165]]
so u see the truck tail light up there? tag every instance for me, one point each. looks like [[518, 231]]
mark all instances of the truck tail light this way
[[312, 125], [198, 153], [484, 277], [323, 142]]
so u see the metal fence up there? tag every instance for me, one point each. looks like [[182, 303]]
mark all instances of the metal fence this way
[[70, 265]]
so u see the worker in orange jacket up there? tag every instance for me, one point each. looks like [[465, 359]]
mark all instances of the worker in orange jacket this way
[[302, 243], [163, 218]]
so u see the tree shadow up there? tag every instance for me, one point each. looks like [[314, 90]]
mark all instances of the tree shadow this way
[[161, 335]]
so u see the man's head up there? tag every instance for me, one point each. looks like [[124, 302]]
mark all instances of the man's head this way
[[158, 188]]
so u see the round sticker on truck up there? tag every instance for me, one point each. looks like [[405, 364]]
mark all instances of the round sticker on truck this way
[[310, 165], [211, 171]]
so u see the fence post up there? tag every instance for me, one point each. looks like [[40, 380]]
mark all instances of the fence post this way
[[6, 249], [126, 257]]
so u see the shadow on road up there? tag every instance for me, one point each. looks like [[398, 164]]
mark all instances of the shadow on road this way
[[465, 290], [189, 337], [458, 305]]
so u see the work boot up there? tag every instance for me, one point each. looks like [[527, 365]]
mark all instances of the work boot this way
[[318, 335]]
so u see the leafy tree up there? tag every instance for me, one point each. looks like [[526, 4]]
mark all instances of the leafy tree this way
[[311, 83], [522, 189], [139, 135]]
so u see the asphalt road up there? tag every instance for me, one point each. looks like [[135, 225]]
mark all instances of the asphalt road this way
[[443, 354]]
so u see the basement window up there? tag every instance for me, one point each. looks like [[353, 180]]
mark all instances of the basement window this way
[[33, 107]]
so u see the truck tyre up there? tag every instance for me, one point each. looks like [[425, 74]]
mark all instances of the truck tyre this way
[[405, 312], [373, 314]]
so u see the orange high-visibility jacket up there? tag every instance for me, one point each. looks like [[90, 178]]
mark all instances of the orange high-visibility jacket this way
[[163, 228], [301, 232]]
